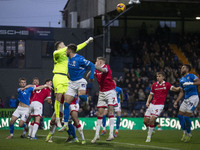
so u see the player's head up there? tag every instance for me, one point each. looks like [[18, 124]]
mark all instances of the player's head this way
[[35, 81], [59, 45], [71, 48], [185, 69], [48, 82], [160, 76], [100, 61], [22, 82]]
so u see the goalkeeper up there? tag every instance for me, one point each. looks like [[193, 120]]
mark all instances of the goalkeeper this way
[[60, 79]]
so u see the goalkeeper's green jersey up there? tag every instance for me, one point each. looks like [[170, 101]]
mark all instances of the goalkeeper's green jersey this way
[[61, 60]]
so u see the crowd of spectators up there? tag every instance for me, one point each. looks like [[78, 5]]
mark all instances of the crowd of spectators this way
[[190, 45]]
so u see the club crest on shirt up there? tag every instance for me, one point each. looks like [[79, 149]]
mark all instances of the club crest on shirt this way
[[188, 78], [163, 84], [74, 63]]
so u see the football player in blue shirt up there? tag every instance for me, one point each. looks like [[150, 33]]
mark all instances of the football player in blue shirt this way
[[77, 65], [188, 84], [23, 107]]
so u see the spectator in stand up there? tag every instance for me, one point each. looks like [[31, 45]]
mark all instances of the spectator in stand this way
[[13, 102], [2, 105], [141, 95]]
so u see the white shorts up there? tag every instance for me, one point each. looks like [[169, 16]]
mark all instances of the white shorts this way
[[117, 108], [75, 86], [36, 108], [153, 110], [189, 105], [108, 98], [74, 107], [22, 112]]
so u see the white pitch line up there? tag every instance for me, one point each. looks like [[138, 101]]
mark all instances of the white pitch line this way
[[130, 144]]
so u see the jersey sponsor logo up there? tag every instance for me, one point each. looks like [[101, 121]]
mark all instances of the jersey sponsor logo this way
[[99, 73], [163, 88]]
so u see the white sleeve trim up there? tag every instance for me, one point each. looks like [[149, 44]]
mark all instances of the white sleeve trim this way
[[106, 69], [88, 63], [171, 88], [151, 93]]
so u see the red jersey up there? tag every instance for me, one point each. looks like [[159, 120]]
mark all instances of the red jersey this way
[[40, 95], [105, 80], [33, 93], [160, 92]]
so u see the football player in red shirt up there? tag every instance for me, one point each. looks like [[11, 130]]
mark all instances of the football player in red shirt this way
[[159, 93], [107, 96]]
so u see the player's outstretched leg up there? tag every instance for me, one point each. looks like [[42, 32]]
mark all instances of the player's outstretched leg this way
[[52, 130], [98, 125], [117, 126], [70, 137], [151, 128], [111, 123], [104, 125], [12, 121], [188, 127], [73, 132], [35, 128], [80, 130], [183, 126], [66, 117], [30, 130]]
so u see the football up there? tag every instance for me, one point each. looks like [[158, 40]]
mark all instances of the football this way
[[121, 7]]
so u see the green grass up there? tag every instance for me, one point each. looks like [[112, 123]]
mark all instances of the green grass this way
[[126, 140]]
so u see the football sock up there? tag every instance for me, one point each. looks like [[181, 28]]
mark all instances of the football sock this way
[[71, 128], [57, 108], [151, 128], [30, 129], [53, 127], [111, 120], [118, 123], [188, 124], [11, 129], [104, 121], [80, 130], [99, 121], [66, 113], [182, 122], [35, 128], [69, 132]]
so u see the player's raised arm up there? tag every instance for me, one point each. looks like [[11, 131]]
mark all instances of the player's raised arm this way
[[42, 87], [181, 94], [104, 70], [82, 45]]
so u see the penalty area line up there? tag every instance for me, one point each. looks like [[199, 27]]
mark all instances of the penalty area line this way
[[130, 144]]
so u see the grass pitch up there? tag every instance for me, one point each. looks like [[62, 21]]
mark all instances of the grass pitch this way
[[126, 140]]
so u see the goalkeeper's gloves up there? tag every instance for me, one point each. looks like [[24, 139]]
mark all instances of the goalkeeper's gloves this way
[[89, 40], [188, 83]]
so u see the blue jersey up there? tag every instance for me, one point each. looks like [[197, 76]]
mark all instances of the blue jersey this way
[[189, 89], [119, 91], [77, 66], [24, 96]]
